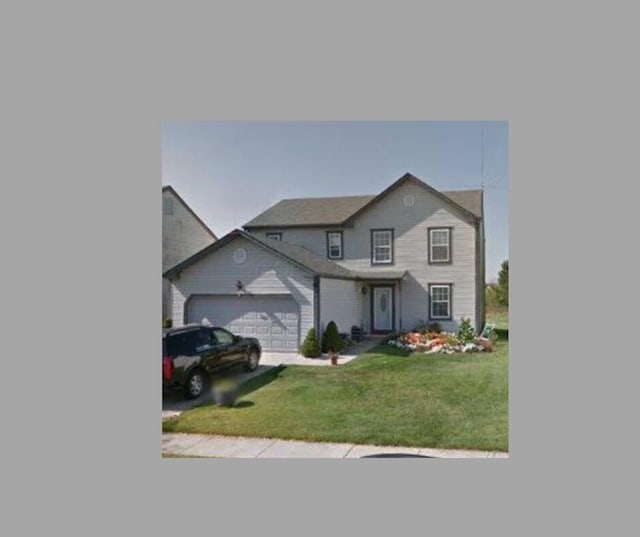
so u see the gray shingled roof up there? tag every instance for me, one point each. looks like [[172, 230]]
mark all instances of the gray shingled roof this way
[[298, 254], [380, 274], [324, 266], [471, 200], [335, 211], [306, 258], [310, 211]]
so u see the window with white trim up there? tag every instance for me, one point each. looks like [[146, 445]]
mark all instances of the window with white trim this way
[[274, 236], [382, 246], [440, 301], [334, 244], [440, 245]]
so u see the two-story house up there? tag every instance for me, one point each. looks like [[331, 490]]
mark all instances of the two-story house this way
[[183, 234], [384, 262]]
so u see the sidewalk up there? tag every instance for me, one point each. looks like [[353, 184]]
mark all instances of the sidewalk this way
[[269, 448]]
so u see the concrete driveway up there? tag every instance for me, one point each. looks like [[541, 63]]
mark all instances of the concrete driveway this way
[[174, 402]]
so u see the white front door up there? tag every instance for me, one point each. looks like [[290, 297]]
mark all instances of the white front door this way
[[382, 308]]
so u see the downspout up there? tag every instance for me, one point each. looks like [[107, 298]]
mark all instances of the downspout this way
[[400, 305], [316, 304]]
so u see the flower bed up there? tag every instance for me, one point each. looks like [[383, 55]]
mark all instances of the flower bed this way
[[439, 343]]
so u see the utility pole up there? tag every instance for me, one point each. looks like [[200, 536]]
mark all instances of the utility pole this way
[[482, 158]]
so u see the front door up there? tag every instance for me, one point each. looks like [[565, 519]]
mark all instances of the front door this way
[[382, 309]]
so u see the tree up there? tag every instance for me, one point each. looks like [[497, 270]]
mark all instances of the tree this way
[[331, 338], [502, 289], [311, 346]]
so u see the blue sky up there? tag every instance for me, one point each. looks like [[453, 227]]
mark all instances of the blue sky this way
[[228, 172]]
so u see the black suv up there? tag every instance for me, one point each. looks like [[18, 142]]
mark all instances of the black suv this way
[[192, 352]]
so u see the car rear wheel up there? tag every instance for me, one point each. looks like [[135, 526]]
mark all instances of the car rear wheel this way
[[195, 384], [252, 360]]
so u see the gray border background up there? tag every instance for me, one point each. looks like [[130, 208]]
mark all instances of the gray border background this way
[[85, 89]]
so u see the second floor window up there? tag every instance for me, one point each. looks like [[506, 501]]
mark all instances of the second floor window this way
[[440, 245], [274, 236], [382, 246], [334, 244]]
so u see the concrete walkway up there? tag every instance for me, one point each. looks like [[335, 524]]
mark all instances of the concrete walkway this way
[[269, 448], [291, 358]]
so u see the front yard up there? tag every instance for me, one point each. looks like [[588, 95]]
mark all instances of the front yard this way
[[383, 397]]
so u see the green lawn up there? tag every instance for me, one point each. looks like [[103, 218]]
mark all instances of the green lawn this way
[[383, 397]]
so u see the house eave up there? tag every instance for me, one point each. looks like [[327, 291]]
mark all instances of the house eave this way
[[325, 225]]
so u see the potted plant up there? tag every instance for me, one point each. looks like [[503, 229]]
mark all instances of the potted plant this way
[[333, 356], [225, 391]]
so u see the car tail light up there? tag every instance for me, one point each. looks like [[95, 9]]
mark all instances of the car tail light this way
[[167, 368]]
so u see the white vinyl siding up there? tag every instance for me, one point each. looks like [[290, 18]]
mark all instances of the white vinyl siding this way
[[439, 245], [410, 252], [340, 302], [182, 236], [314, 239]]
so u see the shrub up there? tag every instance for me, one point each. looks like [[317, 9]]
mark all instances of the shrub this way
[[310, 347], [346, 341], [168, 323], [423, 327], [452, 340], [331, 338], [390, 337], [466, 333]]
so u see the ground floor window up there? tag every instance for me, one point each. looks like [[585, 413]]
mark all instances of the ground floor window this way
[[440, 301]]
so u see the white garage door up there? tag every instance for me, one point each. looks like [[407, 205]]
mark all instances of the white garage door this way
[[271, 319]]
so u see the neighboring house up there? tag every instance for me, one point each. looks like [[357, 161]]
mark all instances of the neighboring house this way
[[383, 262], [183, 234]]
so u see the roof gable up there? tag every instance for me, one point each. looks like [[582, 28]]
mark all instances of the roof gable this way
[[171, 190], [406, 178], [342, 211], [295, 254]]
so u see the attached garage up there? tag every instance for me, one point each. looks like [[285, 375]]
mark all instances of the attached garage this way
[[254, 287], [273, 319]]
